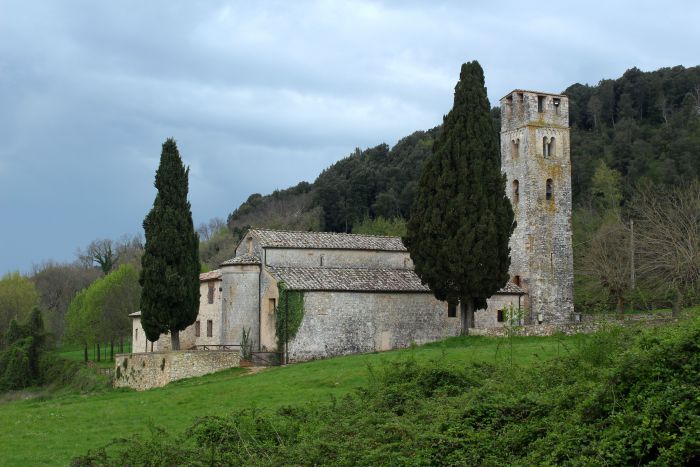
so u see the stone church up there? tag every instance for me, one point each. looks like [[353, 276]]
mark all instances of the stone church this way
[[360, 293]]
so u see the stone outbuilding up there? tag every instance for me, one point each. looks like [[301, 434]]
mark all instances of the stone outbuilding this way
[[360, 294]]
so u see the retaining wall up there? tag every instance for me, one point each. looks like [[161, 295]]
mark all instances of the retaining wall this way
[[142, 371]]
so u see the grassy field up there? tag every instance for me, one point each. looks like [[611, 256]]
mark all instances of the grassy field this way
[[50, 431], [75, 353]]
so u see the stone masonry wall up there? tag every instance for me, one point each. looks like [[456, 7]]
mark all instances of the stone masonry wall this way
[[340, 323], [143, 371], [586, 326]]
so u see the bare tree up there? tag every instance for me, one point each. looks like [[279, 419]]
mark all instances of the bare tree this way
[[668, 238], [607, 260]]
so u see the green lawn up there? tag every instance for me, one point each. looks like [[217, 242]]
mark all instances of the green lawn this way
[[51, 431], [75, 353]]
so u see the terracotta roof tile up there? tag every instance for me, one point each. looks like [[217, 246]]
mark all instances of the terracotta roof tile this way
[[242, 259], [210, 276], [349, 279], [326, 240], [511, 288]]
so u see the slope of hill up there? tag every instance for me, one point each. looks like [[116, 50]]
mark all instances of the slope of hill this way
[[646, 125]]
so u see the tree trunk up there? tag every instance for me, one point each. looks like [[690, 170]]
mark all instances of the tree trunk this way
[[466, 308], [620, 306], [175, 340], [99, 354], [677, 304], [85, 353]]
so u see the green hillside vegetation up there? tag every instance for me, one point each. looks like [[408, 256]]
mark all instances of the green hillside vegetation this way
[[619, 397], [70, 424]]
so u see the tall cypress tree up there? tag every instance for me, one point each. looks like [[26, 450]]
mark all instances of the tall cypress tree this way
[[461, 220], [170, 274]]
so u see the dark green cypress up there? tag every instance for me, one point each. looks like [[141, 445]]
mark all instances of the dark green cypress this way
[[461, 220], [170, 274]]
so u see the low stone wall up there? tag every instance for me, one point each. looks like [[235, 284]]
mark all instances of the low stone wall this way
[[586, 326], [143, 371]]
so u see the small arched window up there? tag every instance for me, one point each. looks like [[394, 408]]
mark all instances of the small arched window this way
[[321, 260], [548, 189], [551, 151], [516, 280], [516, 191], [249, 244], [545, 147], [514, 148]]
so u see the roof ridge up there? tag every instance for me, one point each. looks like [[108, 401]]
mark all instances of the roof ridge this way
[[323, 232]]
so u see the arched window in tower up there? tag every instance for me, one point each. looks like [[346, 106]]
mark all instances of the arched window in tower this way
[[545, 147], [548, 189], [516, 191], [551, 151], [514, 148]]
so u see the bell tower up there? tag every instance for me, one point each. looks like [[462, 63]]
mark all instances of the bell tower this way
[[535, 156]]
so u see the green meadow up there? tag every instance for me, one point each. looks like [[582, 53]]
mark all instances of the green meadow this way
[[52, 429]]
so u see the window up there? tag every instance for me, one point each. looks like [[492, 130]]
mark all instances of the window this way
[[271, 305], [249, 244], [500, 316], [550, 148], [516, 280], [556, 102], [545, 148], [210, 328], [136, 334], [516, 191], [514, 148], [540, 104], [197, 329], [210, 293], [451, 310], [509, 106], [548, 189], [321, 260]]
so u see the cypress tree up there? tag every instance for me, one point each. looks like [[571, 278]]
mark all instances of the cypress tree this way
[[461, 220], [170, 274]]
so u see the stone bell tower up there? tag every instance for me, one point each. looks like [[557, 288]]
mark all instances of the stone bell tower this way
[[535, 156]]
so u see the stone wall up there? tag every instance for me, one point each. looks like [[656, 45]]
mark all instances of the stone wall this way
[[341, 323], [488, 318], [209, 312], [586, 326], [143, 371], [240, 303]]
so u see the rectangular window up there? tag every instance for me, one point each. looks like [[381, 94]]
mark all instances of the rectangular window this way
[[210, 294], [540, 104], [136, 334], [451, 310], [499, 316], [210, 328], [196, 329], [272, 304]]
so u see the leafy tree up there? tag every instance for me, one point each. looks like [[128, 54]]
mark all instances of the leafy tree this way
[[18, 296], [395, 227], [25, 343], [462, 220], [170, 274]]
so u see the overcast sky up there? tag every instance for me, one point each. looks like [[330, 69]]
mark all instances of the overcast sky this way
[[261, 95]]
